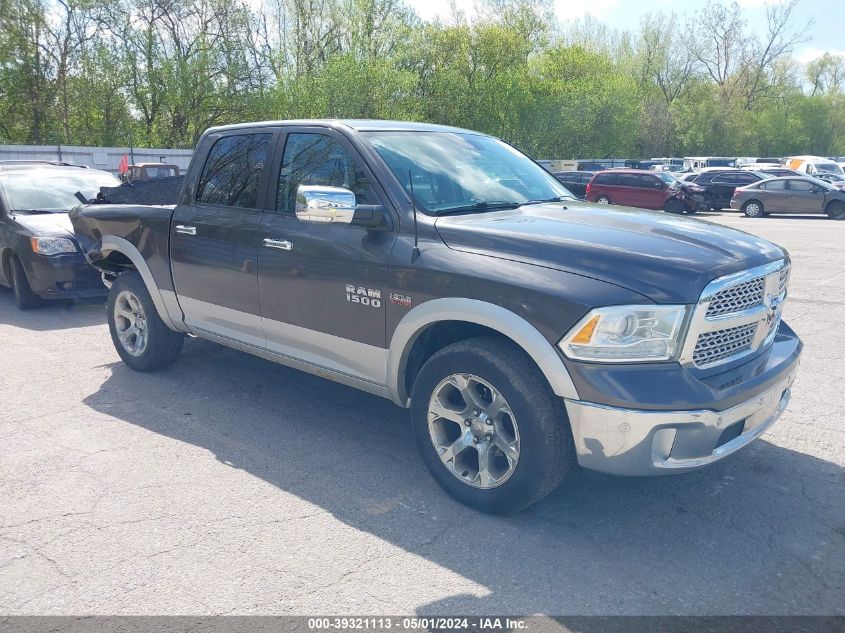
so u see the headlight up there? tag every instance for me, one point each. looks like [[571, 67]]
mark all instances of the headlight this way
[[624, 334], [52, 245]]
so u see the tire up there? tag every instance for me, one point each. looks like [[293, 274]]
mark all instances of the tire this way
[[674, 206], [603, 200], [753, 209], [836, 210], [532, 425], [24, 296], [139, 335]]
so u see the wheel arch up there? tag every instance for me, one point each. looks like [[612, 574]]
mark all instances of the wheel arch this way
[[165, 302], [474, 318]]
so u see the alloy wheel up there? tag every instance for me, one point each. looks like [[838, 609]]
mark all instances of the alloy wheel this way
[[130, 322], [473, 430]]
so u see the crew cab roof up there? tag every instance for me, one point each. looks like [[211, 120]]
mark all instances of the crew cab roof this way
[[359, 125]]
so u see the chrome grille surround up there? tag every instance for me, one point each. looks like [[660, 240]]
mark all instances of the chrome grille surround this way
[[736, 315]]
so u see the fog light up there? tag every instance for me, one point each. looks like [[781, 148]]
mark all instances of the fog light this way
[[65, 285]]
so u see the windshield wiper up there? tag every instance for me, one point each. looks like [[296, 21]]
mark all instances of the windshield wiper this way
[[487, 205], [555, 199], [36, 211]]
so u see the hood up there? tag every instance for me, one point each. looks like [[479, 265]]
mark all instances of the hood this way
[[45, 224], [664, 257], [692, 187]]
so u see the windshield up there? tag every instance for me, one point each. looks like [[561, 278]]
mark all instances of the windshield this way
[[52, 190], [454, 171], [828, 168], [669, 179], [821, 183]]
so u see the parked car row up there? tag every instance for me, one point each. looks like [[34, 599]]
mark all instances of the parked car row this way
[[756, 193]]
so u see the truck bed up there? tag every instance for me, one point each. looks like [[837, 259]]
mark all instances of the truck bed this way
[[145, 227]]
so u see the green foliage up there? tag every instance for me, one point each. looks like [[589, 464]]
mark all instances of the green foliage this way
[[158, 72]]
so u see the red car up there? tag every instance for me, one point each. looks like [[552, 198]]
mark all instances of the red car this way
[[645, 189]]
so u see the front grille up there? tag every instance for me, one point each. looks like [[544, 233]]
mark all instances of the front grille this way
[[713, 347], [738, 298], [739, 314]]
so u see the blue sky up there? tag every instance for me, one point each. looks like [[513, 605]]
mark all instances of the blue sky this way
[[826, 34]]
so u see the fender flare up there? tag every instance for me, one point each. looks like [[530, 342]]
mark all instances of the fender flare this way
[[483, 313], [161, 299]]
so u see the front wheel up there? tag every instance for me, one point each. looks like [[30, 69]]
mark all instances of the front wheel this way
[[24, 296], [836, 211], [141, 338], [674, 206], [488, 427], [753, 209]]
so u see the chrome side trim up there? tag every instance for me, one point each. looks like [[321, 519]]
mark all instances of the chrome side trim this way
[[295, 363], [700, 323], [482, 313], [172, 318], [313, 349], [231, 324], [334, 353]]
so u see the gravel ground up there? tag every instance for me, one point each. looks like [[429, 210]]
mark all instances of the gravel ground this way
[[231, 485]]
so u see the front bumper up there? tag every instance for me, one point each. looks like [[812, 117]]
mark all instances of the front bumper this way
[[63, 277], [638, 442]]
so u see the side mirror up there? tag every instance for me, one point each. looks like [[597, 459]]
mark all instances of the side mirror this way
[[322, 204], [316, 203]]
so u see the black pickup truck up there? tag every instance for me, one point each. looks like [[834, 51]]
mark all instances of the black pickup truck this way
[[525, 330]]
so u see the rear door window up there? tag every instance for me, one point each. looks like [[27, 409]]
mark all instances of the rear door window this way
[[773, 185], [233, 170]]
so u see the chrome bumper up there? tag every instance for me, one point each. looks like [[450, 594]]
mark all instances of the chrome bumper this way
[[633, 442]]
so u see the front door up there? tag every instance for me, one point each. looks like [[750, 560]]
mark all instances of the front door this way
[[652, 191], [804, 196], [323, 286], [214, 239]]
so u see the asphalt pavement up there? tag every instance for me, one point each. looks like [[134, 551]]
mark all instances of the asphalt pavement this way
[[228, 484]]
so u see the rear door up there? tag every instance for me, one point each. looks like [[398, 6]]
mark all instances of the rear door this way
[[804, 196], [323, 286], [773, 195], [629, 191], [214, 237]]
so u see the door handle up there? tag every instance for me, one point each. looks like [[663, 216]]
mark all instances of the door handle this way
[[282, 245], [186, 230]]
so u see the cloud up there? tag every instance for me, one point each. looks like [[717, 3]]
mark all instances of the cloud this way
[[809, 54], [567, 10]]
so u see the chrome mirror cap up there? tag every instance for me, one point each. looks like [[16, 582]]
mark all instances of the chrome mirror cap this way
[[318, 203]]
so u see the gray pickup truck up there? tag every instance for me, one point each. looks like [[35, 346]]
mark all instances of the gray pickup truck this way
[[525, 330]]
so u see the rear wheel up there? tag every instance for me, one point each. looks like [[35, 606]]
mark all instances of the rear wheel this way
[[24, 296], [603, 200], [488, 427], [139, 335], [674, 206], [836, 210], [753, 209]]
